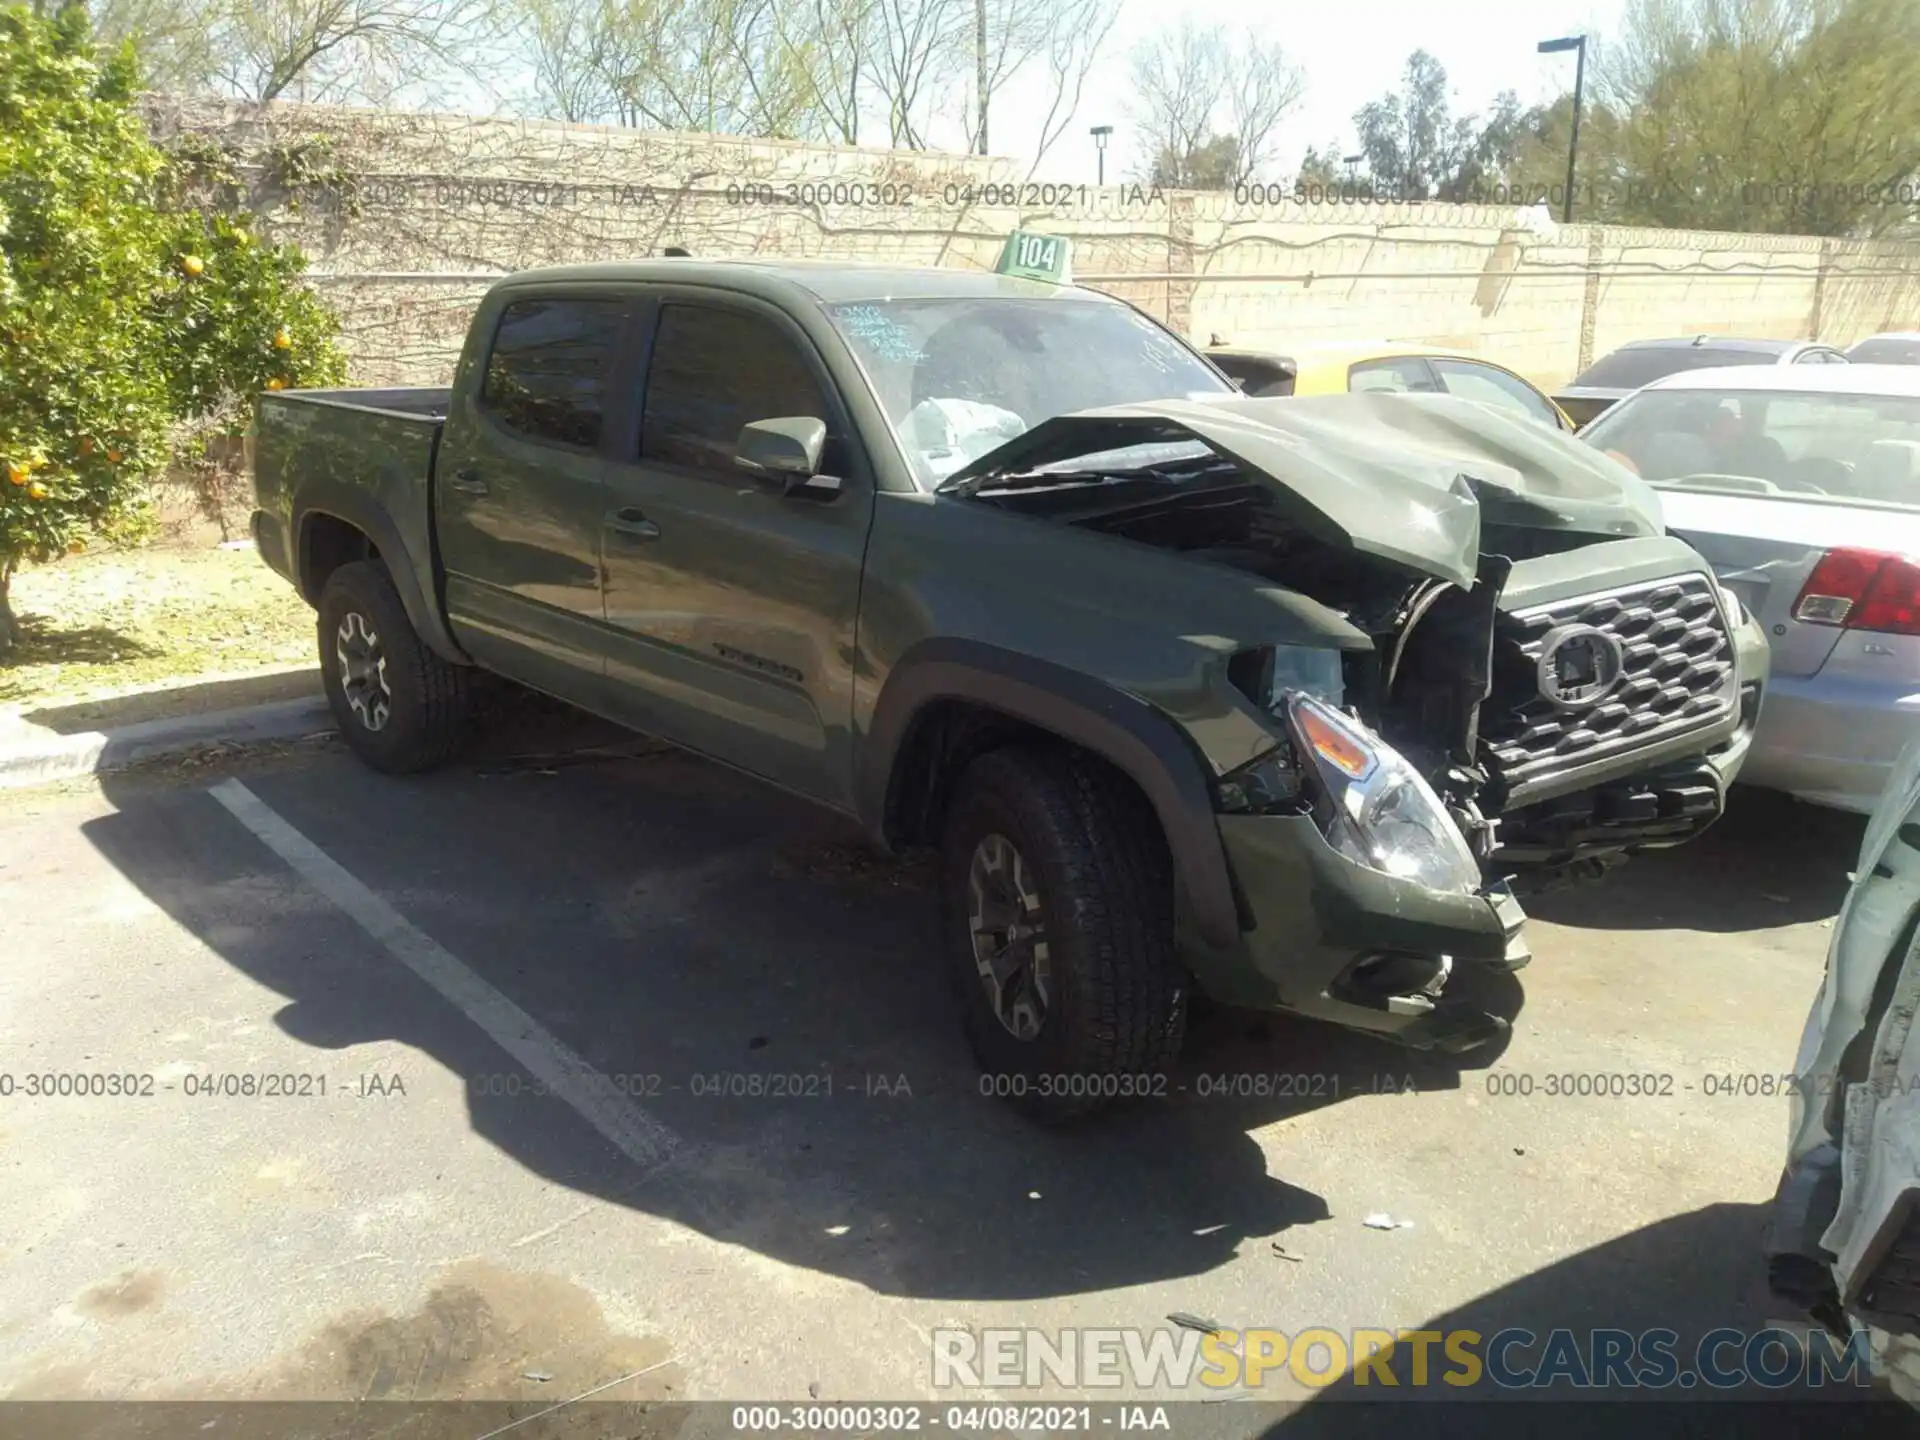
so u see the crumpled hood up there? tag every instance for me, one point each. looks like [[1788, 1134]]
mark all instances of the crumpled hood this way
[[1407, 478]]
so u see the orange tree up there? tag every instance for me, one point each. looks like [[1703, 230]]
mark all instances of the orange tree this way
[[120, 316]]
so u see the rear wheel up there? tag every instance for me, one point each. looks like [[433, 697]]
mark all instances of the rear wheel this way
[[399, 706], [1057, 917]]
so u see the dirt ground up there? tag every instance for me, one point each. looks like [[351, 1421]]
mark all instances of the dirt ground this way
[[129, 623]]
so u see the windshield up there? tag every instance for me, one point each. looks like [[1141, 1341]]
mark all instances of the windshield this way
[[961, 376], [1859, 449], [1630, 369]]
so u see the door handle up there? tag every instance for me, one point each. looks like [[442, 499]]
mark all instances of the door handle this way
[[468, 482], [633, 523]]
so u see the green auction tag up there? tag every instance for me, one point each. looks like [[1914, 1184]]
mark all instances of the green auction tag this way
[[1036, 257]]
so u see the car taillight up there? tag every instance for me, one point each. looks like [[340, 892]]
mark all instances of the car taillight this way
[[1862, 590]]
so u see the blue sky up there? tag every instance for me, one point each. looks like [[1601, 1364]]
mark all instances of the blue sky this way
[[1351, 51]]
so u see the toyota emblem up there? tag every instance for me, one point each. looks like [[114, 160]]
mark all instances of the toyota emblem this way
[[1579, 666]]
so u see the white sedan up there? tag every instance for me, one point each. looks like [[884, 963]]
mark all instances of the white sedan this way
[[1801, 487]]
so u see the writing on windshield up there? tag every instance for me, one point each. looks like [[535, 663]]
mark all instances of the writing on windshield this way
[[960, 376]]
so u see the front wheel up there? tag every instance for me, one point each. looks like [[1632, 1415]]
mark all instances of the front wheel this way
[[400, 707], [1058, 919]]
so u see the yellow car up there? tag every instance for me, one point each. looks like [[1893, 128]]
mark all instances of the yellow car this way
[[1392, 366]]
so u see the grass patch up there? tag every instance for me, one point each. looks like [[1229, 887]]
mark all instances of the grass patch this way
[[95, 626]]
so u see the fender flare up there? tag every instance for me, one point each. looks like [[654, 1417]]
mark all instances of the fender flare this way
[[365, 514], [1140, 741]]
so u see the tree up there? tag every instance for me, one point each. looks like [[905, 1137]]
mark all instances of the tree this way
[[1415, 147], [1321, 169], [121, 314], [318, 50], [1796, 116], [1209, 102], [1213, 164]]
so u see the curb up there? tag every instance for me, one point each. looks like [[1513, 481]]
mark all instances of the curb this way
[[65, 757]]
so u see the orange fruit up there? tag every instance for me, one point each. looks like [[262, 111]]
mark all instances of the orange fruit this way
[[114, 456], [86, 446], [17, 472], [276, 383], [282, 340], [36, 491], [192, 264], [77, 547]]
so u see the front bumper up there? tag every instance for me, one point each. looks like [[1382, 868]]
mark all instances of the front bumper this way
[[1333, 940], [1831, 742]]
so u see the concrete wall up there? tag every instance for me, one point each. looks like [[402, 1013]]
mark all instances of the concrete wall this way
[[404, 216]]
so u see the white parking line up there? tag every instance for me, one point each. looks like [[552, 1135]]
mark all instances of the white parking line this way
[[545, 1056]]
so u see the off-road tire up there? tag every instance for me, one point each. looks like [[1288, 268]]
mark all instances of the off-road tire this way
[[428, 704], [1117, 1013]]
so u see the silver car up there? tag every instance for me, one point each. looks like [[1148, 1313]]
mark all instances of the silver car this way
[[1801, 487]]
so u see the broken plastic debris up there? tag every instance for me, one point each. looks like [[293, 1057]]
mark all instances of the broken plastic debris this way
[[1195, 1322], [1380, 1220], [1033, 1194], [542, 1376], [838, 1229], [1286, 1254]]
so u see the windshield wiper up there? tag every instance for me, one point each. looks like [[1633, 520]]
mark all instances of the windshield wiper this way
[[1165, 473]]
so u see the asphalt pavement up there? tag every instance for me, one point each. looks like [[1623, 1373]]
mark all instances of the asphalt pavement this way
[[585, 1063]]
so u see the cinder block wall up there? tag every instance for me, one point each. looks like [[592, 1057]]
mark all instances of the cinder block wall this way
[[405, 215]]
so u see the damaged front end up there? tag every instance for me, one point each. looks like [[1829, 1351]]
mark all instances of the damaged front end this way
[[1471, 568]]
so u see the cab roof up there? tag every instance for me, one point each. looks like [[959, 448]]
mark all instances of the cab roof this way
[[827, 281]]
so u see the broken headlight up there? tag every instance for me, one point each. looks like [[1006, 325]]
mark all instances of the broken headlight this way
[[1375, 807]]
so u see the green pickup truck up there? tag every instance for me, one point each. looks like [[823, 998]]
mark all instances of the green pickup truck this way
[[1271, 697]]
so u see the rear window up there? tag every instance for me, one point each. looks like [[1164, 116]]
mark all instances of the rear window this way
[[1837, 448], [1885, 352], [547, 372], [1630, 369]]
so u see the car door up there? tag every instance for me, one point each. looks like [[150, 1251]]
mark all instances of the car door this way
[[731, 601], [521, 488], [1473, 380]]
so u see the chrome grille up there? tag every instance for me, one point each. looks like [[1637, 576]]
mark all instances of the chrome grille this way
[[1676, 674]]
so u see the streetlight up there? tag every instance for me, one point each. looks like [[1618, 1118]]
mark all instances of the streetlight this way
[[1556, 47], [1100, 134]]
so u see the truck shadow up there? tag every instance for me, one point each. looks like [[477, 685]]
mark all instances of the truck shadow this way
[[1769, 861], [1690, 1275], [694, 936]]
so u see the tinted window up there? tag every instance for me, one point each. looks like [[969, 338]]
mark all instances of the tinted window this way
[[547, 375], [1492, 386], [714, 371], [1630, 369], [1396, 377], [1885, 352]]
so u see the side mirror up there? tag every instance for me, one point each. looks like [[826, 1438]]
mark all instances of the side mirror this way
[[786, 448]]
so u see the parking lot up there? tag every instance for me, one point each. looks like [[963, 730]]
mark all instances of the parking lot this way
[[602, 1064]]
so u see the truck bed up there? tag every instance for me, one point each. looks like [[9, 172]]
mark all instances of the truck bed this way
[[355, 454]]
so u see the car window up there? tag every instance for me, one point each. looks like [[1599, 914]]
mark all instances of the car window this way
[[959, 376], [1492, 386], [1885, 351], [1396, 376], [1819, 357], [713, 371], [1630, 369], [1802, 446], [547, 370]]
